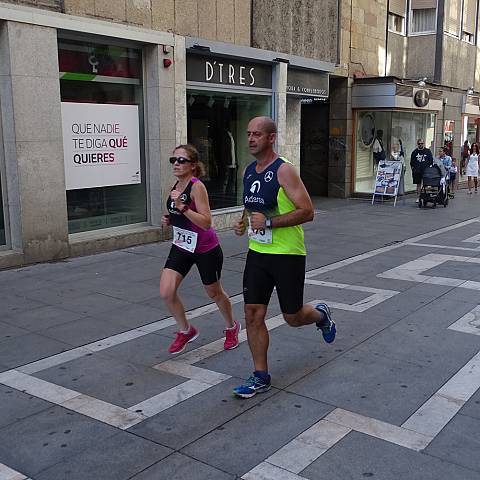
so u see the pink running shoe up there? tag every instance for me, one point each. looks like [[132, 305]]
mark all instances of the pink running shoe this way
[[178, 346], [231, 336]]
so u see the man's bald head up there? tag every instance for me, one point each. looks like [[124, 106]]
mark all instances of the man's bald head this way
[[265, 124]]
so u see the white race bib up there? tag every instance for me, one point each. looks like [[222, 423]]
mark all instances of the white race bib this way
[[261, 235], [185, 239]]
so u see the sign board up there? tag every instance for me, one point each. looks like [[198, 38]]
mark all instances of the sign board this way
[[307, 83], [227, 71], [100, 144], [388, 178]]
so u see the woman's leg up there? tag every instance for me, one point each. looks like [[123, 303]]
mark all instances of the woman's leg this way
[[469, 184], [169, 283], [475, 181], [216, 292]]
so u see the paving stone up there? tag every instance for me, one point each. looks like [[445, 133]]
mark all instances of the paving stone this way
[[9, 331], [458, 443], [121, 457], [41, 318], [48, 437], [120, 383], [28, 348], [181, 467], [192, 419], [257, 433], [369, 457], [15, 405]]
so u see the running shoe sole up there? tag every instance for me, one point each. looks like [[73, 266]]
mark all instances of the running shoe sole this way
[[328, 336], [250, 395]]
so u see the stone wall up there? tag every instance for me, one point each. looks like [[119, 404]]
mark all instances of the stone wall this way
[[308, 28], [220, 20]]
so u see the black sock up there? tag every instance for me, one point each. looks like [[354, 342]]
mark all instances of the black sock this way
[[263, 376]]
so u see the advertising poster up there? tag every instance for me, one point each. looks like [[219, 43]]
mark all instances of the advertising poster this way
[[388, 177], [101, 145]]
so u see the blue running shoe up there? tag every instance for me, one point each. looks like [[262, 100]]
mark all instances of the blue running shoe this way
[[252, 386], [328, 331]]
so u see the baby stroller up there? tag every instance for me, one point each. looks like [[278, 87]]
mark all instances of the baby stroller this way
[[434, 188]]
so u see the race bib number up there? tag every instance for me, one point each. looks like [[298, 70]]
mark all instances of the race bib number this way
[[185, 239], [260, 235]]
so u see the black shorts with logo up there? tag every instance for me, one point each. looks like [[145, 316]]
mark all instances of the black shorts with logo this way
[[209, 264], [264, 271]]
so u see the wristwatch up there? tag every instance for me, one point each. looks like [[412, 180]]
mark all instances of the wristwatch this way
[[268, 222], [184, 209]]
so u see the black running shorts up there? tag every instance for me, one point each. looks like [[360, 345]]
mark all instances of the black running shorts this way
[[209, 264], [264, 271]]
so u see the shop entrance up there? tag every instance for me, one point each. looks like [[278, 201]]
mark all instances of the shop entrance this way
[[314, 147]]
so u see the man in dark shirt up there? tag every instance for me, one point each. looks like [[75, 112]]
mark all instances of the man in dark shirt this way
[[420, 159]]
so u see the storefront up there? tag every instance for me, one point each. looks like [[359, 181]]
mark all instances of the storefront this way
[[102, 112], [471, 119], [389, 117], [223, 95]]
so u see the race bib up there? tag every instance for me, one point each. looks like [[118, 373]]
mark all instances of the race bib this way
[[260, 235], [185, 239]]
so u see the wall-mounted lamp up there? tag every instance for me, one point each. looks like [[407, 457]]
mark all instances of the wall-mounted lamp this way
[[191, 100], [202, 48], [470, 91], [226, 103], [166, 49], [210, 102], [421, 83]]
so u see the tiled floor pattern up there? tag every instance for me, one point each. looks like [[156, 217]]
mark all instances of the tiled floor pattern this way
[[416, 433]]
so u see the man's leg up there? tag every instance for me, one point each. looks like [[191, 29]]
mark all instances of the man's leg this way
[[257, 334]]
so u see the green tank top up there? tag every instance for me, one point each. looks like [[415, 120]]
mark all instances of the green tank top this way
[[263, 193]]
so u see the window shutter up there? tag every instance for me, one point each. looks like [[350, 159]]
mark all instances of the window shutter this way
[[420, 4], [452, 17], [469, 16], [398, 7]]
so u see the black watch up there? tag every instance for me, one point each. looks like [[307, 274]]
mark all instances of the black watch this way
[[268, 222]]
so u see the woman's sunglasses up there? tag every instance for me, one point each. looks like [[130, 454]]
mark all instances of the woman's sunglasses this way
[[180, 160]]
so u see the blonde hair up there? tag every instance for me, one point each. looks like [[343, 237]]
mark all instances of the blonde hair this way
[[199, 167]]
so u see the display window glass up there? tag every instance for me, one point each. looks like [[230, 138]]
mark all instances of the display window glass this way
[[217, 126], [105, 75], [395, 133]]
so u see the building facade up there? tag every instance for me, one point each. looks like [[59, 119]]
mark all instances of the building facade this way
[[94, 95]]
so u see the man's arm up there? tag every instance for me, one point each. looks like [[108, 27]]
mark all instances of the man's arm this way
[[295, 190]]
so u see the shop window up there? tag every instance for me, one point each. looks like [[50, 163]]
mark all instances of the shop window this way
[[102, 115], [217, 126], [397, 133], [423, 20]]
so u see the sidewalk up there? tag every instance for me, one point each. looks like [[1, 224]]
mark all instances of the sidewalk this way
[[127, 420]]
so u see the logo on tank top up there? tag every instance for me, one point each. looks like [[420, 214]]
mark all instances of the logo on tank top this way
[[255, 188], [183, 197], [268, 176]]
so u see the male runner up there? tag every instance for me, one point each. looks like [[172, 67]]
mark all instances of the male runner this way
[[276, 204]]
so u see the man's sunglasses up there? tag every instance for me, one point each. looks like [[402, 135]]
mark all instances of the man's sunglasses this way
[[180, 160]]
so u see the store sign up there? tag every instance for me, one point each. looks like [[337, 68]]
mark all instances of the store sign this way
[[307, 83], [421, 98], [100, 144], [225, 71]]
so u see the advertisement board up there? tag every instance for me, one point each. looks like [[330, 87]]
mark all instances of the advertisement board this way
[[388, 178], [100, 144]]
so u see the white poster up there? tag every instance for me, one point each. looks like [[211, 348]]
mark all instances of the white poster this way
[[100, 144]]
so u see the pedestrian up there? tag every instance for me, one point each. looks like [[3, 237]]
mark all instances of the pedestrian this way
[[453, 176], [446, 161], [276, 204], [420, 158], [472, 168], [194, 243], [464, 157]]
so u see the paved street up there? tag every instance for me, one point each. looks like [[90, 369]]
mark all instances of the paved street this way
[[88, 390]]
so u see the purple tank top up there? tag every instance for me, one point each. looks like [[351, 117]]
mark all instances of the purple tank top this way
[[207, 239]]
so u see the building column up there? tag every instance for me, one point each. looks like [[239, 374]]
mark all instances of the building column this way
[[160, 129], [280, 107], [30, 113]]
